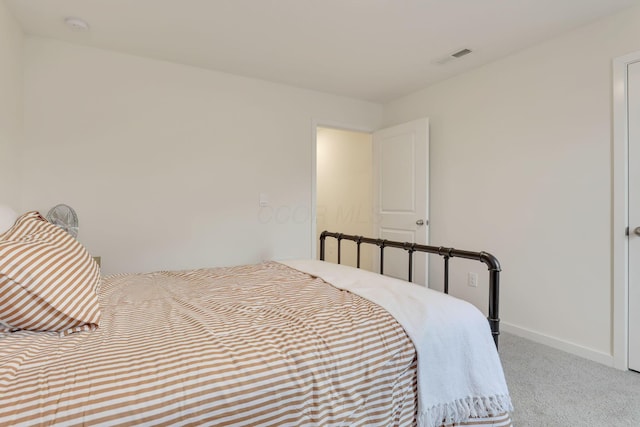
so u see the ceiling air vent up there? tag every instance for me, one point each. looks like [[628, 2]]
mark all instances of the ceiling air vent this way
[[461, 53], [455, 55]]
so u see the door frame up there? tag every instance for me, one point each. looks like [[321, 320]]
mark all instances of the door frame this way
[[315, 124], [620, 211]]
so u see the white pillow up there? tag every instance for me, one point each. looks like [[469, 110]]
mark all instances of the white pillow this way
[[7, 218]]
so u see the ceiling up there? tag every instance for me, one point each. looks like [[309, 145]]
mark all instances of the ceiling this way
[[374, 50]]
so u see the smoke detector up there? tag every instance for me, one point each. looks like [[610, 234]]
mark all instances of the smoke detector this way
[[76, 24], [455, 55]]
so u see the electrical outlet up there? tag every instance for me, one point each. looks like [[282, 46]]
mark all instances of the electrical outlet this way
[[472, 280], [264, 200]]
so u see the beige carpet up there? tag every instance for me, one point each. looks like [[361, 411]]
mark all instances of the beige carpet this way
[[552, 388]]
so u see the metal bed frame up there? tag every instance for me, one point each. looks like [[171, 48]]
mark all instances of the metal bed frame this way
[[492, 264]]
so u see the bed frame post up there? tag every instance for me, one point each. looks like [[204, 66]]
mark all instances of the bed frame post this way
[[494, 293], [494, 298], [323, 237]]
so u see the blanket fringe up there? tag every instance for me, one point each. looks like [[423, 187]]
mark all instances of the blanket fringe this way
[[463, 409]]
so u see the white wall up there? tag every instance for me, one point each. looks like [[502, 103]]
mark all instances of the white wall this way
[[521, 167], [164, 163], [345, 191], [11, 68]]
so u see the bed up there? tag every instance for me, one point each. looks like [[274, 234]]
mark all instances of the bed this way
[[297, 342]]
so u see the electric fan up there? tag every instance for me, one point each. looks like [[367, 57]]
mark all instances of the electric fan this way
[[64, 217]]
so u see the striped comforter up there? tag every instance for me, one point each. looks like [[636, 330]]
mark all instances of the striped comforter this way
[[249, 345]]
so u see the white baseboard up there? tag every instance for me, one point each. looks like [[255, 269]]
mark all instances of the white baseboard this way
[[576, 349]]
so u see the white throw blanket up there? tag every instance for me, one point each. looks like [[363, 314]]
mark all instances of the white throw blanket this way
[[459, 371]]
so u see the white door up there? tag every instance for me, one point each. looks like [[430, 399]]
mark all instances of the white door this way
[[401, 195], [634, 214]]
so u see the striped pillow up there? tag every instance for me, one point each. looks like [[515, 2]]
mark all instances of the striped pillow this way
[[48, 280]]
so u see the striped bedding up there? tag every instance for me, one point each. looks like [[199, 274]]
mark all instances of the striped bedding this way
[[249, 345], [47, 279]]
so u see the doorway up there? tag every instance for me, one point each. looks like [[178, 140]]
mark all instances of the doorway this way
[[344, 190], [392, 202]]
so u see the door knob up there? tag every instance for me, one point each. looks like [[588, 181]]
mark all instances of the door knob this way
[[421, 222], [637, 231]]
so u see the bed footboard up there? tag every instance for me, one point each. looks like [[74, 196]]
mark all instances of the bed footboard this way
[[491, 262]]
